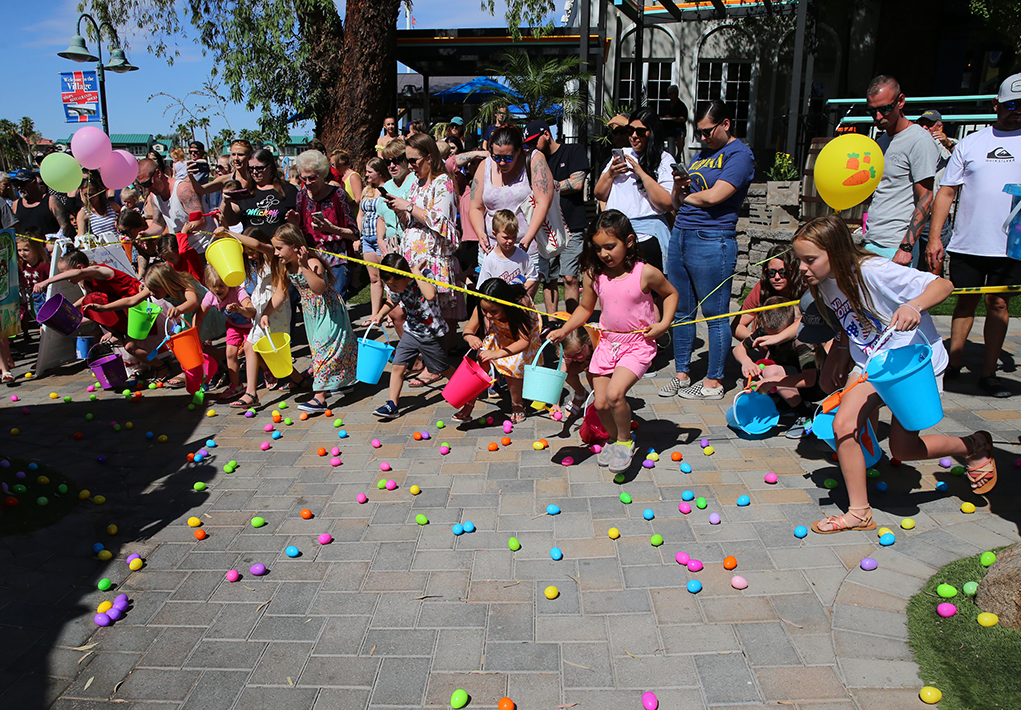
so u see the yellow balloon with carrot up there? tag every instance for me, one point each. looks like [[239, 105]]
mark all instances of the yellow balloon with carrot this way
[[848, 170]]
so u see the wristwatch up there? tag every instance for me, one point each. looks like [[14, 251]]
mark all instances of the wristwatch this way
[[905, 247]]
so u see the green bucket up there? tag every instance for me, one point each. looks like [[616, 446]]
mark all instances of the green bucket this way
[[141, 318]]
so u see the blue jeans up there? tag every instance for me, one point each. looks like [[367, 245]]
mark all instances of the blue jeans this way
[[698, 261]]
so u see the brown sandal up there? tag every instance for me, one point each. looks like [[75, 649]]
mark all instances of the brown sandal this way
[[982, 477], [838, 523], [464, 414]]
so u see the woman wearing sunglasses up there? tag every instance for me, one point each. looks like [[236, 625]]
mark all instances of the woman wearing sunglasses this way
[[266, 205], [703, 245], [399, 186], [781, 276]]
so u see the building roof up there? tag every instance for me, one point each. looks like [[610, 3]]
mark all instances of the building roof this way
[[120, 139]]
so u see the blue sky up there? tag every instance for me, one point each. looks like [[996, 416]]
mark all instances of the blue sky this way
[[32, 67]]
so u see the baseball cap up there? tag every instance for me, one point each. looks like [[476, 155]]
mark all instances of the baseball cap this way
[[931, 115], [1010, 89], [813, 329], [24, 175], [534, 129], [457, 121]]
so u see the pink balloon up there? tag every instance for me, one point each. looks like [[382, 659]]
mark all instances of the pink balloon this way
[[119, 170], [90, 147]]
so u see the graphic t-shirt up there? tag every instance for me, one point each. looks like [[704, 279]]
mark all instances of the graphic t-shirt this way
[[982, 163], [891, 286], [569, 159], [909, 157], [266, 208], [235, 294], [733, 163], [424, 318], [518, 269]]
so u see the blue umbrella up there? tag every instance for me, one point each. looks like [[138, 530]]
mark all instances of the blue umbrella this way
[[475, 91]]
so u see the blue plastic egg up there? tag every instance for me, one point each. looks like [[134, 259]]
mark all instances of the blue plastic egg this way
[[33, 467], [292, 551], [648, 514], [743, 501], [277, 435], [887, 539], [98, 547], [552, 509], [942, 486], [458, 529], [800, 532], [210, 443], [694, 586], [149, 435], [469, 526], [687, 495], [650, 450], [342, 433], [198, 458], [556, 553], [685, 468], [882, 486]]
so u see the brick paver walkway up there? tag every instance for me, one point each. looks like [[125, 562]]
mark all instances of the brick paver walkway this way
[[392, 614]]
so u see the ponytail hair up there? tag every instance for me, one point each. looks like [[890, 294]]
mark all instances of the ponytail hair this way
[[520, 321]]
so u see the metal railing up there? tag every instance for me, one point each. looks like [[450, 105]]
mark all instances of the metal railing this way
[[963, 122]]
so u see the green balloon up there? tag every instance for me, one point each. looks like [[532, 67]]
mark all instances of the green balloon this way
[[104, 585], [970, 588], [656, 540], [987, 558], [513, 544], [946, 591], [625, 498], [701, 503], [258, 522], [458, 699], [421, 519], [871, 473], [61, 172]]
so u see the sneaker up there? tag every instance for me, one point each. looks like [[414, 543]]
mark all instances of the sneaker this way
[[797, 429], [313, 405], [605, 455], [620, 459], [952, 373], [387, 411], [671, 388], [993, 387], [700, 391]]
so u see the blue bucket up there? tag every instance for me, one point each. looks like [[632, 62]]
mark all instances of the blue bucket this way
[[372, 358], [544, 384], [753, 413], [904, 379], [82, 346], [1012, 227], [822, 428]]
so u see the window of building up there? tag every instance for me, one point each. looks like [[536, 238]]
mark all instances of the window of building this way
[[657, 79], [730, 81], [625, 82]]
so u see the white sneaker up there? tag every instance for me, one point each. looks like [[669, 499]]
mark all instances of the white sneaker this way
[[604, 455]]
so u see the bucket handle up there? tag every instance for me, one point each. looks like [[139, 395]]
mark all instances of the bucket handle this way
[[381, 329], [538, 354], [1011, 216], [88, 356], [833, 401], [166, 339]]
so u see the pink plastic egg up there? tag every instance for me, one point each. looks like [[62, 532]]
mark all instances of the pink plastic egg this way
[[233, 575], [682, 558], [14, 397], [650, 701], [489, 420], [390, 485], [362, 498], [376, 444], [444, 450], [325, 539], [946, 610], [258, 569], [268, 428], [596, 448], [684, 507], [335, 451], [384, 466], [264, 446], [335, 461], [568, 460], [694, 565], [770, 478], [738, 582], [557, 416]]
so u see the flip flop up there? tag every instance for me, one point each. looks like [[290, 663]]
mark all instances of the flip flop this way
[[983, 478], [419, 382]]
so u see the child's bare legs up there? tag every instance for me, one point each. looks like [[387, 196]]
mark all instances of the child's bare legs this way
[[515, 385], [464, 414], [580, 393], [6, 363], [772, 373], [398, 318], [977, 449], [611, 403], [397, 382], [375, 285], [233, 367], [252, 366]]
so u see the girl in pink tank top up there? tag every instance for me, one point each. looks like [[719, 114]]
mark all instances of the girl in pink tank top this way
[[624, 285]]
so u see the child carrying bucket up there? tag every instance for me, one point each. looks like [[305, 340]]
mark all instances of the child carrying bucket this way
[[424, 329], [871, 296], [236, 306], [624, 285], [578, 348]]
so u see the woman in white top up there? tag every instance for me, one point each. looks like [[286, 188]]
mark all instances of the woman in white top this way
[[98, 215]]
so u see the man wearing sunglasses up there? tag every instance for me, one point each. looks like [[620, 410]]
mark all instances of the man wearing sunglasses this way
[[983, 162], [399, 185], [36, 208], [169, 202], [902, 202]]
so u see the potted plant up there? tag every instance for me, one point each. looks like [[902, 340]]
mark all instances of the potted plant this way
[[783, 188]]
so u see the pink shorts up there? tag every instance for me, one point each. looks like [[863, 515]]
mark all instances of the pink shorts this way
[[629, 350], [236, 337]]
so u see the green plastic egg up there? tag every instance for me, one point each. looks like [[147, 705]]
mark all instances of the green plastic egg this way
[[381, 484], [831, 483], [513, 544], [957, 470], [625, 498], [420, 519], [258, 522], [104, 585], [619, 478], [93, 397], [871, 473], [199, 486], [458, 699], [656, 540], [701, 503], [946, 591], [987, 558], [88, 417], [42, 500], [971, 588], [62, 488]]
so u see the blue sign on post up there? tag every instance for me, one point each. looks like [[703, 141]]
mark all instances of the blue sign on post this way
[[79, 93]]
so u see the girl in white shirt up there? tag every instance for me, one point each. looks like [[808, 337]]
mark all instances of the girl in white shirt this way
[[870, 295]]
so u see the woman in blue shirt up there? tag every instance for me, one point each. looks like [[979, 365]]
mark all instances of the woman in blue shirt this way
[[703, 245]]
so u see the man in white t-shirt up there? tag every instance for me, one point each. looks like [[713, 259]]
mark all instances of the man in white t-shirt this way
[[902, 202], [982, 163]]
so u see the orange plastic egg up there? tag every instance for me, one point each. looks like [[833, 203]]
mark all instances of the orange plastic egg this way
[[505, 441], [200, 534], [417, 436], [307, 514], [277, 419], [303, 416], [505, 704], [494, 447], [159, 385], [544, 443], [191, 457], [322, 451], [676, 456], [729, 562], [329, 412]]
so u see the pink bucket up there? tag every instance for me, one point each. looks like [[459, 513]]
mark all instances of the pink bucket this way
[[468, 382]]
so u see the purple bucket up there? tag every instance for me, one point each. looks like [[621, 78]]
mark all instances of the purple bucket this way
[[109, 371], [59, 314]]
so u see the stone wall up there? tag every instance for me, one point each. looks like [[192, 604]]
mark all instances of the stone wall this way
[[754, 240]]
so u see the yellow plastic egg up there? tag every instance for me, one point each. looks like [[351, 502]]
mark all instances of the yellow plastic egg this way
[[415, 490], [552, 592], [614, 533], [194, 522], [653, 456], [930, 695], [967, 507], [537, 445], [29, 375], [54, 395], [129, 425], [15, 431], [708, 451], [276, 413], [43, 480], [907, 523], [104, 606], [135, 564], [99, 500], [111, 529], [882, 531], [211, 413], [987, 619], [163, 438], [105, 555], [84, 495]]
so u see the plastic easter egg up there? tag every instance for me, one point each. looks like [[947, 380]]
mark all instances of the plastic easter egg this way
[[458, 529], [362, 498], [42, 500], [19, 488], [268, 428], [744, 500], [469, 526], [685, 468], [556, 553], [650, 701], [42, 480], [882, 531], [489, 420], [200, 534], [986, 619], [930, 695], [114, 613], [104, 585], [414, 490], [959, 470], [381, 484], [335, 461], [211, 413], [250, 414], [384, 467], [800, 531], [277, 435], [416, 436], [391, 485], [945, 463], [946, 610], [552, 509], [493, 446], [291, 551], [701, 503], [967, 507], [100, 459], [325, 538], [458, 699], [942, 486], [15, 431], [306, 514], [551, 592], [104, 555], [683, 558], [648, 464], [444, 450], [729, 562], [907, 523], [258, 522], [868, 564], [136, 564], [987, 558], [102, 620], [648, 514], [595, 448], [62, 488], [421, 519], [873, 473], [619, 478], [537, 445], [703, 443], [513, 544], [684, 507], [163, 438], [505, 704], [567, 461], [194, 522], [947, 591], [656, 540], [440, 424], [376, 444], [708, 451], [625, 498], [970, 588], [653, 456], [258, 569], [738, 582], [882, 486], [687, 495], [614, 533], [342, 434], [505, 441], [233, 576], [770, 478], [694, 565], [714, 519], [887, 539], [831, 483], [199, 486], [264, 446], [676, 456], [694, 586]]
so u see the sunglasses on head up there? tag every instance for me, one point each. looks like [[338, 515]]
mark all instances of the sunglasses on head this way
[[503, 158], [770, 273], [394, 161], [635, 130]]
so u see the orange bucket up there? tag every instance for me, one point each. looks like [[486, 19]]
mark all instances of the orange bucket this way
[[187, 348]]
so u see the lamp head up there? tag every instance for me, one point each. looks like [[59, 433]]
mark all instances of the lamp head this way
[[119, 63], [77, 51]]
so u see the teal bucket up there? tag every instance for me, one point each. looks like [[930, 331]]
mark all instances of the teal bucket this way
[[753, 413], [544, 384], [904, 379], [822, 428], [372, 358], [1012, 227]]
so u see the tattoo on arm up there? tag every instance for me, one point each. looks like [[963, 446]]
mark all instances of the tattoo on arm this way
[[920, 215], [157, 216], [189, 200], [60, 214], [476, 183], [574, 183], [541, 177]]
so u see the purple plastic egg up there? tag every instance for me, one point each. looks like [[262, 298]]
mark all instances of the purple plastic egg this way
[[684, 507], [704, 443], [362, 498], [258, 569], [648, 464], [425, 435], [1017, 463], [102, 619], [121, 604], [325, 539], [945, 462], [21, 475], [390, 485], [233, 576], [132, 556], [249, 414], [682, 558], [714, 518], [114, 613], [203, 453], [100, 459], [868, 564], [694, 565], [121, 598], [946, 610]]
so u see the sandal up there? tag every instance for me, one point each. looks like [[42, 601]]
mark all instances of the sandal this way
[[517, 415], [982, 477], [175, 383], [245, 401], [465, 413], [574, 408], [297, 385], [839, 523], [422, 382]]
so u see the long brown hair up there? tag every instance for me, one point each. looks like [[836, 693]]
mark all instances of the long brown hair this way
[[616, 223], [426, 145], [846, 256], [795, 281], [293, 237]]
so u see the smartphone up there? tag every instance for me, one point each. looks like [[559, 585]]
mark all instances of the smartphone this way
[[679, 170], [317, 214], [383, 192], [618, 154]]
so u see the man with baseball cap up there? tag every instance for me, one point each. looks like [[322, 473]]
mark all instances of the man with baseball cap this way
[[932, 121], [568, 163], [983, 162]]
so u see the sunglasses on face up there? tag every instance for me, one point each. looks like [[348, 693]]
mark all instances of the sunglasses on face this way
[[394, 161], [309, 178], [147, 183], [636, 131], [256, 168], [883, 110], [504, 158], [706, 132], [1011, 105], [196, 151], [771, 273]]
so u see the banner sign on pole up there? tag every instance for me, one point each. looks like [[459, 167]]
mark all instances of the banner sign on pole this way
[[79, 93]]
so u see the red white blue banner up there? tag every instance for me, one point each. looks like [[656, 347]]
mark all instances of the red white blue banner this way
[[79, 93]]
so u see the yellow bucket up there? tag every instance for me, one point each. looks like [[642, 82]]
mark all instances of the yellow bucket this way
[[275, 351], [227, 257]]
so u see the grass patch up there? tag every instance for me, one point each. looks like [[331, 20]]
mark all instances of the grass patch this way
[[25, 514], [974, 667]]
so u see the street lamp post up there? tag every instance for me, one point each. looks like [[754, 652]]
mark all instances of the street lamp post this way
[[77, 51]]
